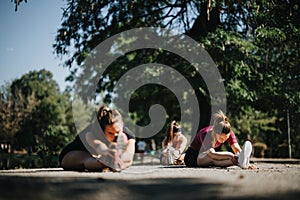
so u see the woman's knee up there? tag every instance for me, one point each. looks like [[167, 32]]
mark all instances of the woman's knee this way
[[74, 160]]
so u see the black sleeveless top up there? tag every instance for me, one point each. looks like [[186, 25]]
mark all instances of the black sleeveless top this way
[[78, 145]]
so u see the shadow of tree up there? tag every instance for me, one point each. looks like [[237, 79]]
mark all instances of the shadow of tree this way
[[18, 187]]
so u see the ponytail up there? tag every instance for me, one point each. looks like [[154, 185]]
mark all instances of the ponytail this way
[[226, 119], [221, 125], [174, 127], [107, 116]]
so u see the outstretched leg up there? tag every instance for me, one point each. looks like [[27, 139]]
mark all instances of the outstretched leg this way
[[80, 161], [204, 160]]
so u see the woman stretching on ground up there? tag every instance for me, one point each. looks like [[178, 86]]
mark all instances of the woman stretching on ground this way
[[201, 151], [173, 145], [95, 150]]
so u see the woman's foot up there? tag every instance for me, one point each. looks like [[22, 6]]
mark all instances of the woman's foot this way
[[244, 156]]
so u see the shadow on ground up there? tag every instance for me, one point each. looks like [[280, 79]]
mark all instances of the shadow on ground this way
[[18, 187]]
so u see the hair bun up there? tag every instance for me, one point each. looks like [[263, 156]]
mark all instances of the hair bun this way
[[105, 111], [226, 119]]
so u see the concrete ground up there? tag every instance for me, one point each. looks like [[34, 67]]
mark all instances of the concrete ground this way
[[275, 179]]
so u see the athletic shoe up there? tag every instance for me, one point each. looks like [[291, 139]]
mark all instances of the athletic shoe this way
[[121, 146], [113, 159], [122, 142], [244, 156]]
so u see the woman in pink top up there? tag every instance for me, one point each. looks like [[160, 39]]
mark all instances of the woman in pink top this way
[[201, 151]]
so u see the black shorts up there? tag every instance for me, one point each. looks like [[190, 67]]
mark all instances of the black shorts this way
[[76, 145], [190, 158]]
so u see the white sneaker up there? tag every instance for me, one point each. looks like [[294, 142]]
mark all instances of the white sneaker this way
[[114, 161], [122, 142], [244, 156]]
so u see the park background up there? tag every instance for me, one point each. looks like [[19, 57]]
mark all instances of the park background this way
[[255, 45]]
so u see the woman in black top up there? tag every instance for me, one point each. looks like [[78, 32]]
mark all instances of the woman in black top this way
[[95, 150]]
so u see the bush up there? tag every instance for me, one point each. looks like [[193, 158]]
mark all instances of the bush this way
[[283, 151], [16, 161], [259, 149]]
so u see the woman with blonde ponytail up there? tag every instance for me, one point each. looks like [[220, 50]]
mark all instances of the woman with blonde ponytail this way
[[173, 145], [202, 153]]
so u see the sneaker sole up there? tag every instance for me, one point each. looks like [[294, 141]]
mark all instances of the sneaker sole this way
[[115, 163], [245, 155]]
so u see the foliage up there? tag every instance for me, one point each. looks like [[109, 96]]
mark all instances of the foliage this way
[[17, 3], [14, 161], [254, 125], [11, 112], [255, 45], [259, 149], [82, 113], [42, 117]]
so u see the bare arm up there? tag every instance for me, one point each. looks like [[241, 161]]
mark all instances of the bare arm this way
[[219, 155], [236, 148], [183, 144], [127, 156], [163, 145], [98, 146], [130, 146]]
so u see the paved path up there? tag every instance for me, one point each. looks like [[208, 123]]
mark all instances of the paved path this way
[[270, 181]]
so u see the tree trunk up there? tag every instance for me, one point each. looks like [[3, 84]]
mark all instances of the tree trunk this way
[[205, 23]]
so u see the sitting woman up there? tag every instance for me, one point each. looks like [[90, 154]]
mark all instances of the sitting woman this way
[[105, 144], [173, 146], [202, 152]]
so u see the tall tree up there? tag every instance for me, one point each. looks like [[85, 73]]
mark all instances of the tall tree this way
[[254, 44], [45, 126], [11, 113]]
